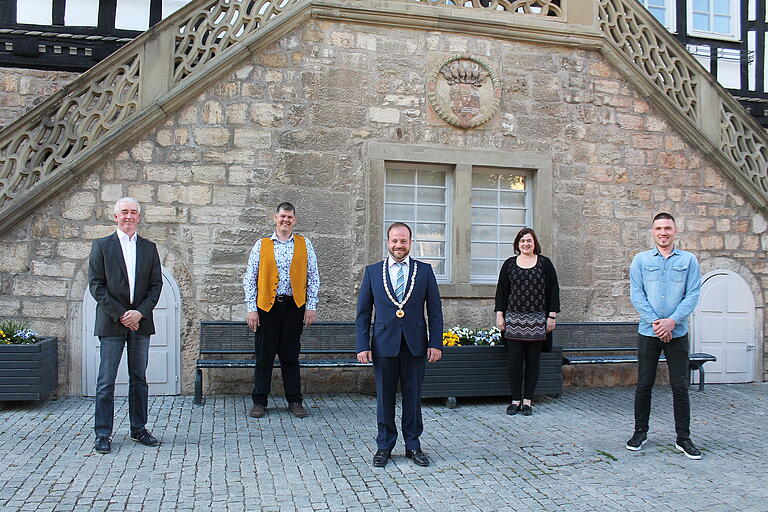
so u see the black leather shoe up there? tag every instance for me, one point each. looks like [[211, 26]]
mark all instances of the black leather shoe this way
[[526, 410], [102, 445], [381, 457], [145, 438], [418, 456], [513, 409]]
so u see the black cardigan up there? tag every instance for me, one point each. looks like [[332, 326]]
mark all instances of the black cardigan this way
[[550, 283]]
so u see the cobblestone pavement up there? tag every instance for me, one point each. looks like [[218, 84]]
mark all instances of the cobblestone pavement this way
[[568, 456]]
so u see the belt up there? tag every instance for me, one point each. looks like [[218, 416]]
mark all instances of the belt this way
[[283, 298]]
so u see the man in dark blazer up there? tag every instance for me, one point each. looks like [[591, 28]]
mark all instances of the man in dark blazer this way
[[399, 288], [126, 280]]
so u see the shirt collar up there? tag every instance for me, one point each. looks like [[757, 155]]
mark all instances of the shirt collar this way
[[656, 251], [123, 237], [391, 261], [276, 239]]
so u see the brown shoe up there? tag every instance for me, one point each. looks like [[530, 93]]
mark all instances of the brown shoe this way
[[298, 410], [258, 411]]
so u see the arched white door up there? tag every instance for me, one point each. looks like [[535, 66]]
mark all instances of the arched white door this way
[[163, 369], [724, 326]]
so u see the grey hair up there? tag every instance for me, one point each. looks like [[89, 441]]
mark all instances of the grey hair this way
[[126, 200]]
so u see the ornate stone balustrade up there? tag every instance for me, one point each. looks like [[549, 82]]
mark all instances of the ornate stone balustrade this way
[[543, 8], [128, 93], [737, 142]]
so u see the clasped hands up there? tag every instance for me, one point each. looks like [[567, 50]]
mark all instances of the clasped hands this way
[[663, 329], [433, 355], [310, 315], [131, 319]]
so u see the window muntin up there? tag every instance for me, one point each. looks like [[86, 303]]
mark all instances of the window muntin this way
[[419, 195], [714, 18], [500, 206], [662, 10]]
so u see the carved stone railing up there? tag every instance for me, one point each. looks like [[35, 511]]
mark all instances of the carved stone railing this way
[[216, 26], [695, 102], [40, 145], [150, 78], [543, 8], [744, 146], [661, 59]]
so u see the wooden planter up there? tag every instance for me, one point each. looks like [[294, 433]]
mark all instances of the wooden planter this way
[[482, 371], [29, 372]]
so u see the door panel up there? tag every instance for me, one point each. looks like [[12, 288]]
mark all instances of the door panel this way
[[164, 347], [723, 325]]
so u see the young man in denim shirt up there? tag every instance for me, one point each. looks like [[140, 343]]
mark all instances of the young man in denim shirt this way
[[664, 288]]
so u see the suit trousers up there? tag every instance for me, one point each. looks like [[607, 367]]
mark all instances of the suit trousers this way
[[281, 329], [407, 370], [676, 351], [111, 352]]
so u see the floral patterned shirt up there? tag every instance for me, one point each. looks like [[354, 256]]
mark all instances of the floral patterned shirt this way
[[283, 257]]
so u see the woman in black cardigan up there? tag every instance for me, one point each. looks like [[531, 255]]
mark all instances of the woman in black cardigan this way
[[527, 303]]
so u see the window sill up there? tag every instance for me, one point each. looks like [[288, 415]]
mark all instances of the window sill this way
[[467, 291]]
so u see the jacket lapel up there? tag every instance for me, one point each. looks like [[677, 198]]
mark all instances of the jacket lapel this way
[[117, 254]]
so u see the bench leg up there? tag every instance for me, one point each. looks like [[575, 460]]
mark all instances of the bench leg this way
[[198, 387], [700, 367], [450, 402]]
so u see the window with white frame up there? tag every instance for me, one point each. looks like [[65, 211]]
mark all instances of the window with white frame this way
[[662, 10], [500, 208], [36, 12], [419, 195], [717, 19]]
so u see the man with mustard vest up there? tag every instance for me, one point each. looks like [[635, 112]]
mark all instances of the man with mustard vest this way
[[281, 285]]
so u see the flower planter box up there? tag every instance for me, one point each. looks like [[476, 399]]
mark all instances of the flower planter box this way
[[29, 372], [482, 371]]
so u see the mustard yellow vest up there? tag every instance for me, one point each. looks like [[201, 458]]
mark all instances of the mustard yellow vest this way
[[269, 277]]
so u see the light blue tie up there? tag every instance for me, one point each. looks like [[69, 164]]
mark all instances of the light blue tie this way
[[400, 286]]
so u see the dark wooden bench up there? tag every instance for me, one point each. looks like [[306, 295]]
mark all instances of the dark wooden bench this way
[[329, 345], [610, 343]]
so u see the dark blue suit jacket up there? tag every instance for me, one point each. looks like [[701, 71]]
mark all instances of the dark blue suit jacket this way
[[388, 330]]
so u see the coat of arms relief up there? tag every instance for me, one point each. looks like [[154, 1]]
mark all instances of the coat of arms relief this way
[[464, 91]]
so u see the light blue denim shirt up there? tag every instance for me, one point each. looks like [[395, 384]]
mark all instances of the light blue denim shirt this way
[[664, 288], [283, 258]]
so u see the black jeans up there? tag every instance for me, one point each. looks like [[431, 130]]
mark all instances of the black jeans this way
[[676, 351], [280, 335], [517, 353]]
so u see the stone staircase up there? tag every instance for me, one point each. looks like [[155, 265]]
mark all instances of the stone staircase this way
[[143, 83]]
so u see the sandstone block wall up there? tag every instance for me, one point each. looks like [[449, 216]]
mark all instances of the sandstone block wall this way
[[292, 125]]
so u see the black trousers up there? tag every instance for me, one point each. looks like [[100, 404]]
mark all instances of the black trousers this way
[[522, 381], [676, 351], [280, 335]]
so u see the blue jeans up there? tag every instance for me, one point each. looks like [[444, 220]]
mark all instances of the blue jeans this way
[[110, 354]]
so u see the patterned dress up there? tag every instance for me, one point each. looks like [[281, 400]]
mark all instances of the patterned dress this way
[[526, 315]]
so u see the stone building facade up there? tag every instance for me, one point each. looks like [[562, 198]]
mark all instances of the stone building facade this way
[[317, 117]]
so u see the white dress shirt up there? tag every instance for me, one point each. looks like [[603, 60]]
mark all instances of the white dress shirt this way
[[393, 269], [128, 244]]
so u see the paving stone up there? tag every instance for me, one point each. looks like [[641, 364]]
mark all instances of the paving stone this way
[[568, 456]]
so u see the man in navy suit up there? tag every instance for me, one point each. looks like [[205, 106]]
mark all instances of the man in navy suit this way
[[126, 280], [399, 288]]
